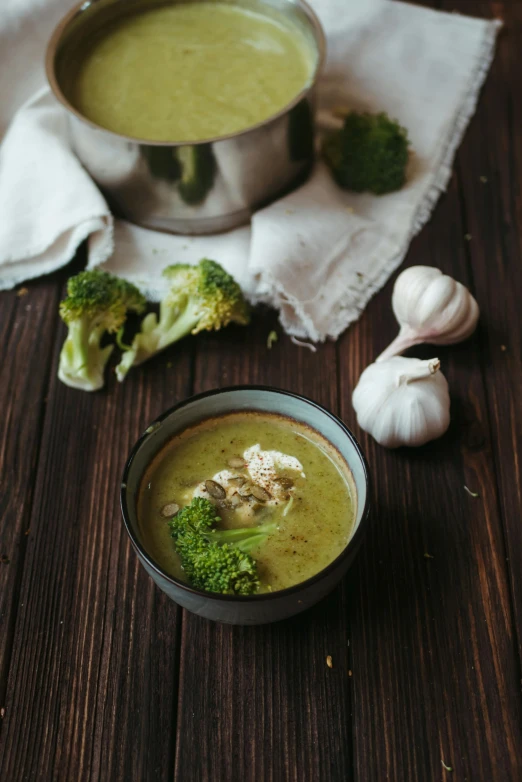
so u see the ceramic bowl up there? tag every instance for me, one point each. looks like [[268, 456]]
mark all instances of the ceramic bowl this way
[[266, 607]]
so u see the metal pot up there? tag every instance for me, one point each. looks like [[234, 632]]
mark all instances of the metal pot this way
[[235, 174]]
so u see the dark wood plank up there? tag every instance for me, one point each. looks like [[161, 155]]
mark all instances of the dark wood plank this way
[[93, 679], [435, 670], [26, 336], [92, 688], [493, 218], [260, 703]]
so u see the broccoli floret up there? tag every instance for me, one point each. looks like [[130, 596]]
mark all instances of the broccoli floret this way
[[202, 297], [96, 303], [369, 153], [198, 170], [217, 560], [198, 517]]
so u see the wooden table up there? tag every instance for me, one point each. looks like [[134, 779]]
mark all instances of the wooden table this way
[[103, 678]]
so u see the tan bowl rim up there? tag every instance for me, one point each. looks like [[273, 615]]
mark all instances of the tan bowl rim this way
[[83, 6]]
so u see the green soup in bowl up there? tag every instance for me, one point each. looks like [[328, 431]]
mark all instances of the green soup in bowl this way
[[260, 471], [270, 464]]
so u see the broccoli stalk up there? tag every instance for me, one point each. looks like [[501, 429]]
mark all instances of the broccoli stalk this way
[[217, 560], [369, 153], [199, 297], [96, 303], [246, 538]]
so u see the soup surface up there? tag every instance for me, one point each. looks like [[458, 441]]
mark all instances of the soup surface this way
[[309, 485], [190, 72]]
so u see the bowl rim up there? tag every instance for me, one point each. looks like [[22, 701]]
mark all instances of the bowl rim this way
[[351, 545], [84, 5]]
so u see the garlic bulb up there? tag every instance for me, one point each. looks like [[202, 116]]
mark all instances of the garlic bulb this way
[[402, 401], [430, 307]]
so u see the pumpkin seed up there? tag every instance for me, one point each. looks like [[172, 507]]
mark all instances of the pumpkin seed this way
[[237, 462], [169, 510], [215, 490], [245, 490], [259, 493], [237, 480]]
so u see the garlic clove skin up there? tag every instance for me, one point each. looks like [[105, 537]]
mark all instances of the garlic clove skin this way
[[403, 401], [430, 307], [434, 305]]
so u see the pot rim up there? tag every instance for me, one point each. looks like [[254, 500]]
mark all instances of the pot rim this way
[[351, 545], [83, 6]]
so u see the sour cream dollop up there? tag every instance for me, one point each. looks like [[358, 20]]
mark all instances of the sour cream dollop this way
[[261, 469]]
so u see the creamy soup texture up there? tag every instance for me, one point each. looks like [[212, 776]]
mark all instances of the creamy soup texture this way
[[309, 486], [190, 72]]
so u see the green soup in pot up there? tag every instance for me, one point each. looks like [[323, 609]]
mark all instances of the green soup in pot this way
[[309, 492], [190, 72]]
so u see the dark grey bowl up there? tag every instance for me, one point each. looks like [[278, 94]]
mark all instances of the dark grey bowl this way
[[257, 609]]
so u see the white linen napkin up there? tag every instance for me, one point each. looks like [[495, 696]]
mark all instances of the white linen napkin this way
[[318, 254]]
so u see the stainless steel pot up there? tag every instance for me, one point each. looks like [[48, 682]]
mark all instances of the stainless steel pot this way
[[233, 175]]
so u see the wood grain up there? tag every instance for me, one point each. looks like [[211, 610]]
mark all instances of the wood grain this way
[[267, 707], [492, 211], [93, 680], [26, 336], [102, 678], [435, 669]]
